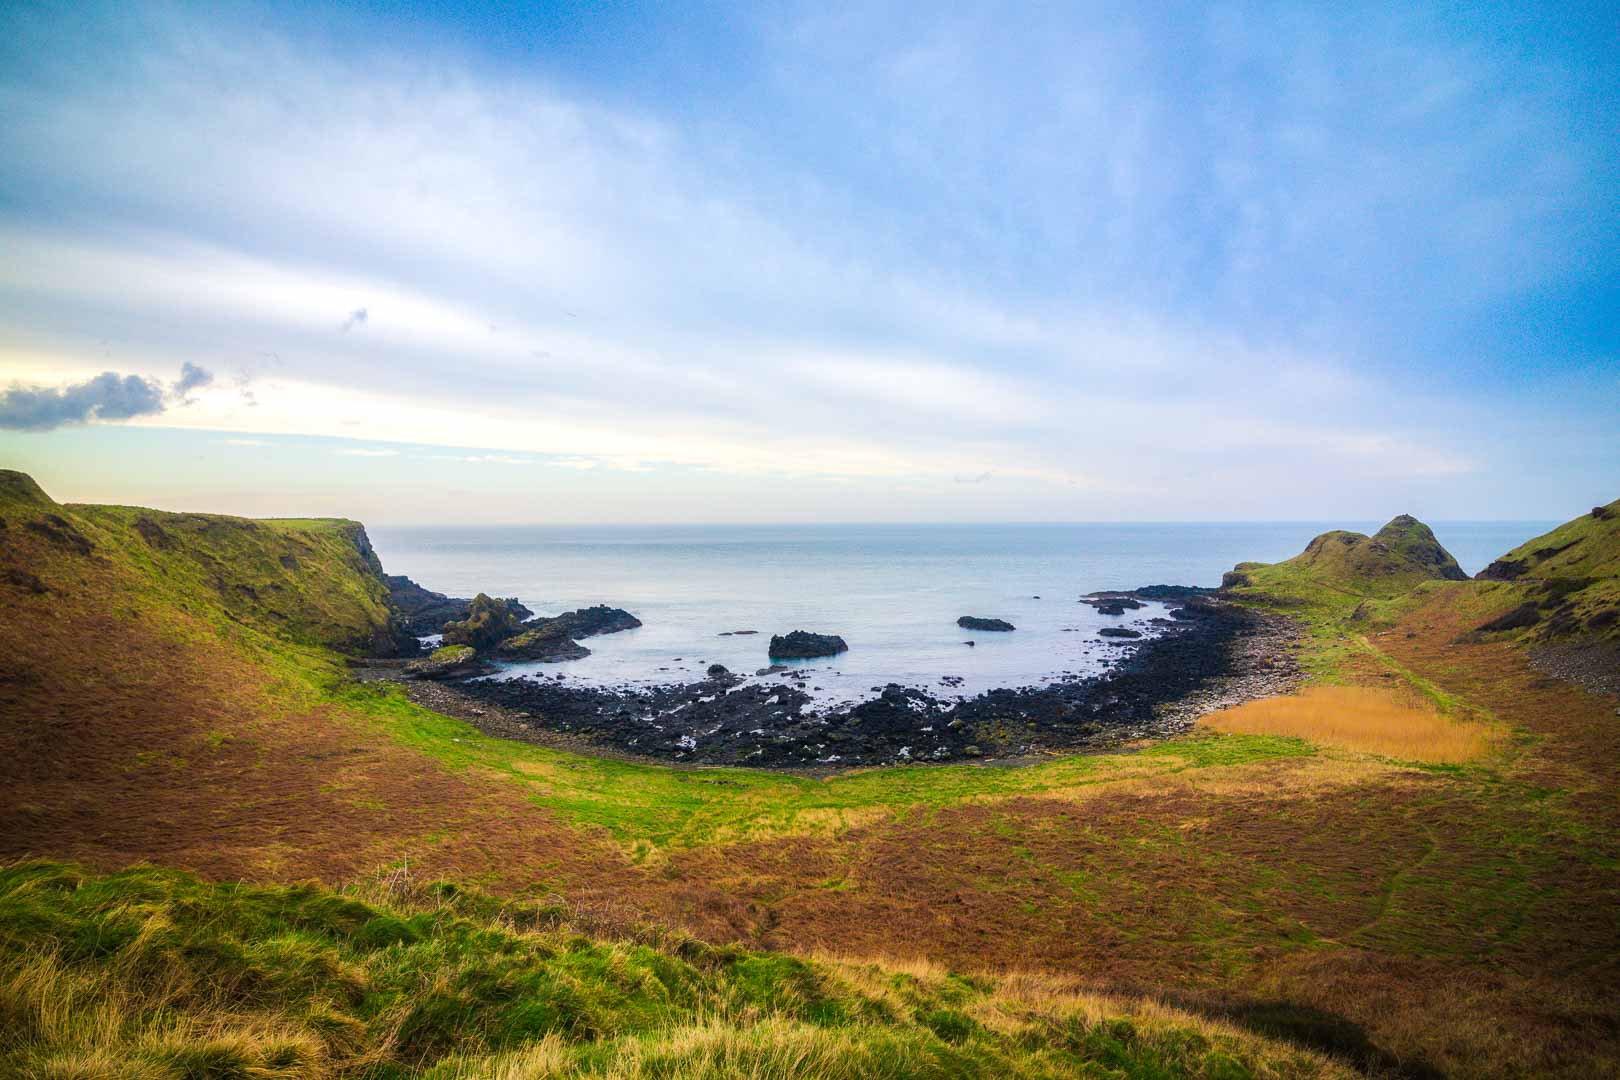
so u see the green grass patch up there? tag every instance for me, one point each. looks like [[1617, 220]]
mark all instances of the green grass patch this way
[[158, 975]]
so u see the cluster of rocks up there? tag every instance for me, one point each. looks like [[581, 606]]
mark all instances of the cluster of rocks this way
[[484, 627], [727, 720], [423, 612]]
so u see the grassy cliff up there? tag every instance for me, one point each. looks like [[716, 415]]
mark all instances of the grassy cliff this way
[[312, 581], [1567, 580]]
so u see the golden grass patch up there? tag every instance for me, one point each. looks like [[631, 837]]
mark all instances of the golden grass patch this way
[[1369, 719]]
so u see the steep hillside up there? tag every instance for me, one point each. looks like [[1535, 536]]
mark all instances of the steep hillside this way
[[1568, 579], [170, 693], [1342, 566], [315, 582]]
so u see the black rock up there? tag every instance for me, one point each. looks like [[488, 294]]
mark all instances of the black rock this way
[[1171, 592], [973, 622], [422, 611], [1112, 603], [600, 619], [803, 645], [1119, 632], [718, 671]]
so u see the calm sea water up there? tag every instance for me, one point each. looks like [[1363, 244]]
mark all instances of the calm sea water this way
[[892, 591]]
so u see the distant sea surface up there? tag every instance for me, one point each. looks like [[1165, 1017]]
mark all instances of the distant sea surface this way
[[893, 592]]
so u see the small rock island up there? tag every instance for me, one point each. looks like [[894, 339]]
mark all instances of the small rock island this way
[[973, 622]]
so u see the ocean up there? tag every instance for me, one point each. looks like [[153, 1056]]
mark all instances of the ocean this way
[[893, 592]]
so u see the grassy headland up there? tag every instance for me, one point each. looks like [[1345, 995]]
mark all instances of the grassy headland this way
[[1404, 915]]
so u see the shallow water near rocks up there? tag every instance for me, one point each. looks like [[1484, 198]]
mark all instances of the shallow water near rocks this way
[[894, 592]]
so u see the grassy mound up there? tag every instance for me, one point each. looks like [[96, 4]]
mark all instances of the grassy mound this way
[[1568, 579], [1342, 567], [156, 974]]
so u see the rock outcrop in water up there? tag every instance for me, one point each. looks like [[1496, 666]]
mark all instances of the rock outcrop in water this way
[[423, 611], [974, 622], [488, 623], [803, 645], [600, 619], [548, 642]]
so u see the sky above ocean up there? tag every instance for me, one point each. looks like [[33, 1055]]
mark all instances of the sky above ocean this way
[[806, 262]]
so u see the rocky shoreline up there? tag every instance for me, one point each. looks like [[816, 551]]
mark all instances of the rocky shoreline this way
[[1211, 656]]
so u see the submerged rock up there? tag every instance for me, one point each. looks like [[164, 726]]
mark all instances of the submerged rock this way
[[1171, 592], [803, 645], [974, 622]]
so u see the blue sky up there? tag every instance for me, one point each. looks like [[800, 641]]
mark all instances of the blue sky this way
[[782, 262]]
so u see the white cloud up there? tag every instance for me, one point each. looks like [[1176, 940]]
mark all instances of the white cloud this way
[[585, 287]]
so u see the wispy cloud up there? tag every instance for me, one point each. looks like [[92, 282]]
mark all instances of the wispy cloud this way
[[192, 377], [1057, 259], [245, 442], [487, 459], [369, 452]]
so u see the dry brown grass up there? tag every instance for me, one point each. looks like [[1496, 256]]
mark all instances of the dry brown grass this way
[[1369, 719]]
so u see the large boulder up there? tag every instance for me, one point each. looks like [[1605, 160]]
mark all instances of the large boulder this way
[[548, 642], [803, 645]]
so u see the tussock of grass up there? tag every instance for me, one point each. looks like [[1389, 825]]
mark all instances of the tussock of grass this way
[[157, 975], [1367, 719]]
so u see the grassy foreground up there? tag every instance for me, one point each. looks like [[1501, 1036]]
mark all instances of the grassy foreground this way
[[156, 975]]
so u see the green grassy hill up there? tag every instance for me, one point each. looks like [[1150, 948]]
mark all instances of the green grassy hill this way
[[315, 582], [1339, 569], [1568, 580]]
